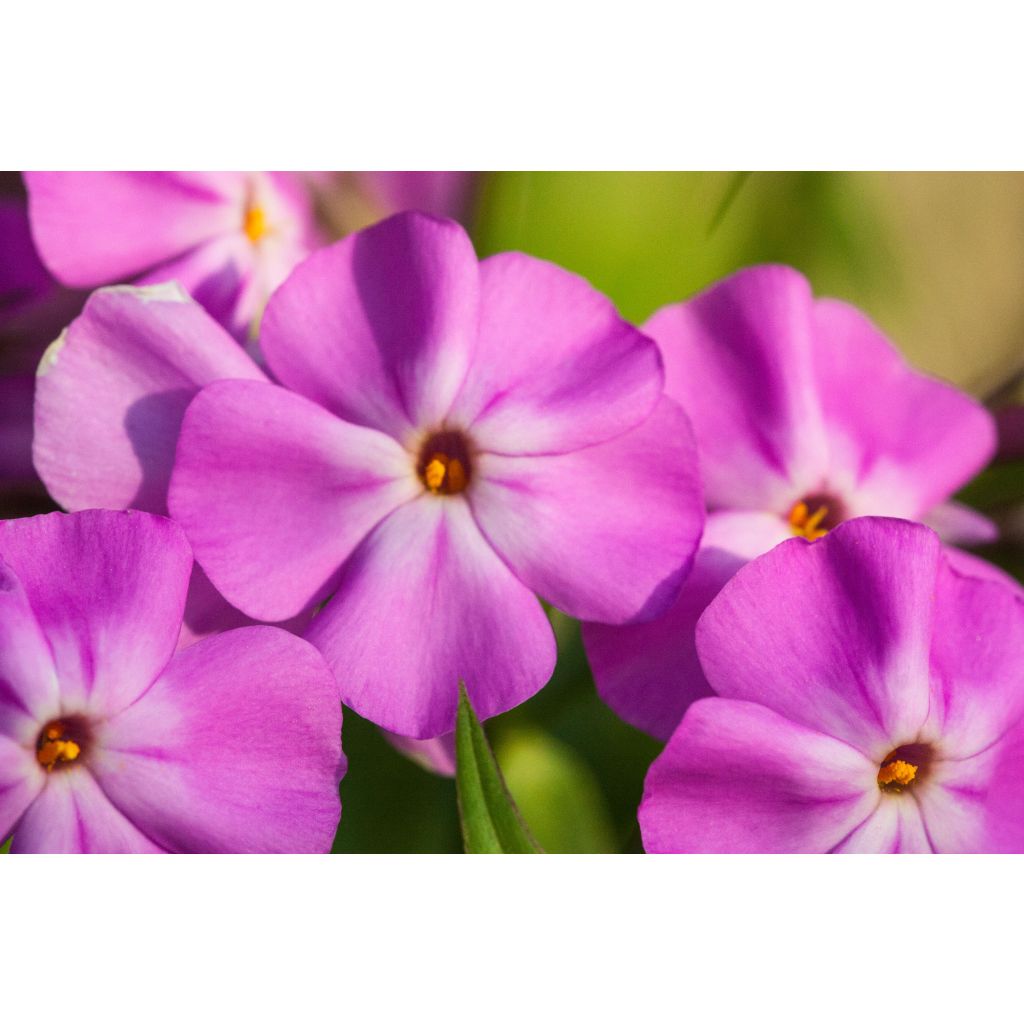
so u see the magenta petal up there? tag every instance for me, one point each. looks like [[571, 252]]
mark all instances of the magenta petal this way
[[73, 815], [21, 779], [958, 524], [436, 755], [442, 193], [235, 748], [738, 778], [606, 533], [555, 368], [905, 440], [896, 826], [648, 673], [738, 360], [98, 227], [29, 691], [107, 589], [1004, 798], [977, 662], [275, 493], [379, 327], [112, 392], [422, 604], [844, 624]]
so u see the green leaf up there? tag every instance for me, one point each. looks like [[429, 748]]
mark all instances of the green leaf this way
[[490, 820], [6, 848]]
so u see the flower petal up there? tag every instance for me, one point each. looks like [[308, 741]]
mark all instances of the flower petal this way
[[275, 493], [73, 815], [832, 634], [607, 533], [21, 780], [436, 755], [738, 360], [977, 662], [236, 748], [112, 392], [422, 604], [107, 589], [738, 778], [379, 327], [905, 441], [555, 367], [648, 673], [98, 227], [896, 826], [959, 524], [29, 692]]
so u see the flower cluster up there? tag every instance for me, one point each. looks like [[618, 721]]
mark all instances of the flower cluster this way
[[303, 473]]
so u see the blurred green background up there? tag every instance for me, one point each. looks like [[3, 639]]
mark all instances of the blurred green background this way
[[937, 260]]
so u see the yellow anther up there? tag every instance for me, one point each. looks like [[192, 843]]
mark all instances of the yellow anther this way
[[55, 747], [897, 774], [805, 523], [255, 223], [435, 472], [444, 474]]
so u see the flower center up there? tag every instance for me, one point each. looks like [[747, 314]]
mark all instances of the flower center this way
[[61, 742], [444, 463], [903, 767], [814, 515], [255, 225]]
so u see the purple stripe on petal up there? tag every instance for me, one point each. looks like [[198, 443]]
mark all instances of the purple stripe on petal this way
[[236, 748], [555, 367], [424, 603], [607, 533], [108, 590], [379, 328], [738, 778], [834, 634], [275, 493], [73, 815]]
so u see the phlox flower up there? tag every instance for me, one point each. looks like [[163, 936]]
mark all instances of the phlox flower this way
[[870, 699], [805, 416], [448, 438], [112, 743], [228, 238]]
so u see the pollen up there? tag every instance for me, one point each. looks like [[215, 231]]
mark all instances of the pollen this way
[[896, 775], [255, 223], [805, 523], [56, 747], [444, 474]]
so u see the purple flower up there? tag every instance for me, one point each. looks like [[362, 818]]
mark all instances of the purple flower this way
[[112, 743], [868, 694], [228, 238], [805, 416], [456, 437]]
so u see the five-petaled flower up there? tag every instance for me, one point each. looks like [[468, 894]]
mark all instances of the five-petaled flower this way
[[451, 437], [805, 416], [228, 238], [869, 700], [112, 743]]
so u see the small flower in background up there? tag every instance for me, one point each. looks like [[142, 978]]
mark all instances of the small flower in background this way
[[228, 238], [805, 416], [456, 436], [112, 743], [867, 697]]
